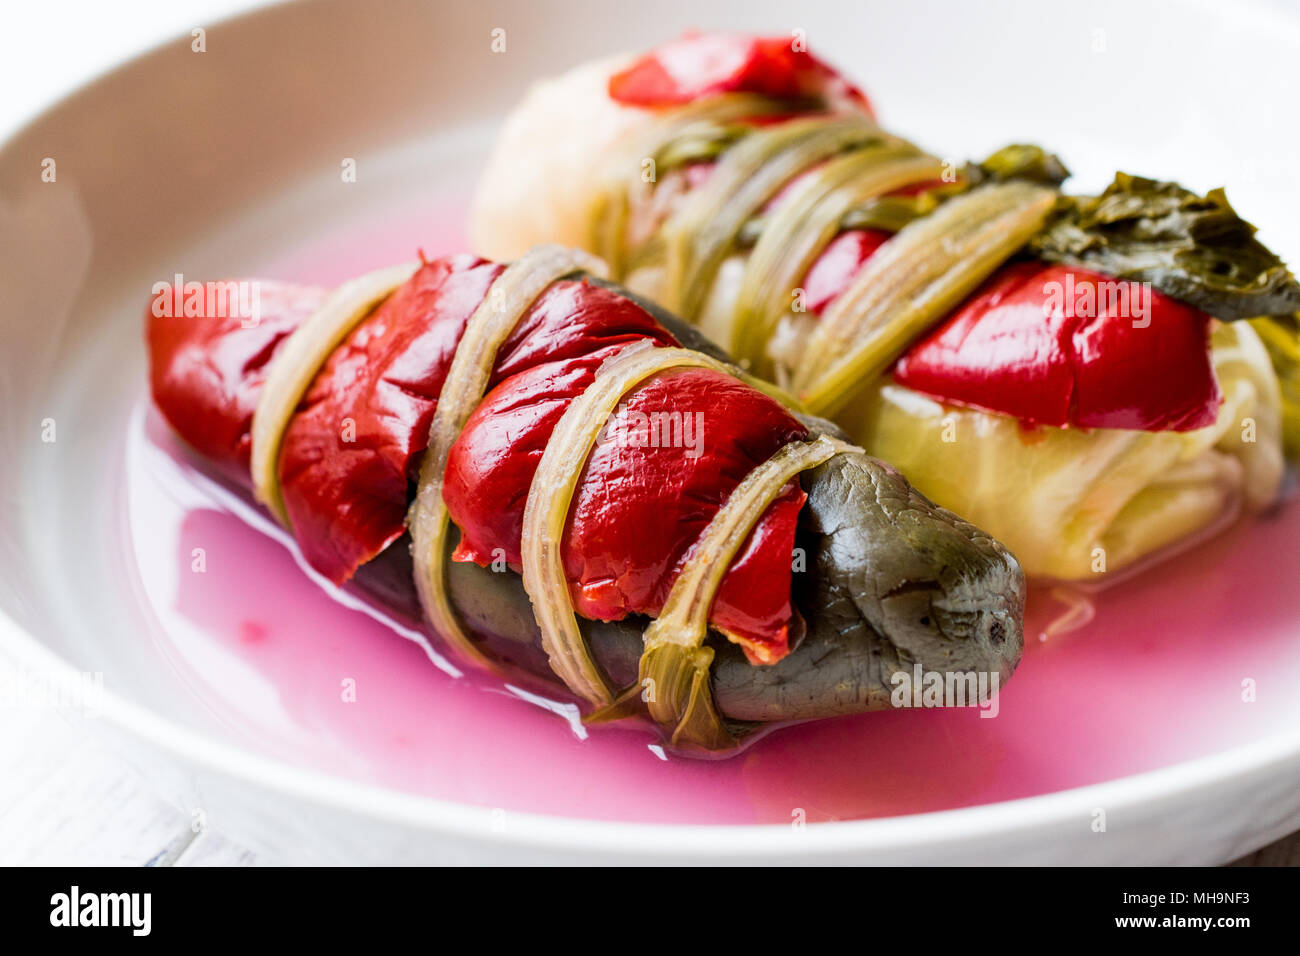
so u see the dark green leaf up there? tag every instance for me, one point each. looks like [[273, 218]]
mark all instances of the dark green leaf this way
[[1192, 248], [1021, 161]]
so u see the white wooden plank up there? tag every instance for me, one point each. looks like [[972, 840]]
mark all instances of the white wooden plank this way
[[67, 799]]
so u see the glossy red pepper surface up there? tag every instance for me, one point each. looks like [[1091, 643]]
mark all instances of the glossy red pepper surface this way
[[838, 263], [1057, 345], [700, 65], [1051, 345], [672, 455], [1048, 344], [206, 371], [639, 508]]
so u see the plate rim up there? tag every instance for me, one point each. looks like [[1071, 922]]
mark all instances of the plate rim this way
[[1235, 766]]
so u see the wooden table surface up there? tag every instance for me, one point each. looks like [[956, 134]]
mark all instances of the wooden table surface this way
[[66, 798]]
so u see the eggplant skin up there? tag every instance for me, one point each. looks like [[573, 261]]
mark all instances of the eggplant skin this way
[[892, 580]]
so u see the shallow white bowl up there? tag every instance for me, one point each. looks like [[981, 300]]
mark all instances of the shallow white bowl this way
[[227, 157]]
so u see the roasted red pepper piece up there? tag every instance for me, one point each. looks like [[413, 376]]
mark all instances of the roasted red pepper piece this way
[[206, 371], [838, 264], [346, 493], [350, 453], [639, 508], [700, 65], [844, 257], [1056, 345]]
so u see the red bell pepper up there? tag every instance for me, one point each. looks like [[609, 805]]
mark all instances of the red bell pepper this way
[[351, 452], [206, 372], [701, 65], [1056, 345], [630, 530], [838, 264], [1051, 345]]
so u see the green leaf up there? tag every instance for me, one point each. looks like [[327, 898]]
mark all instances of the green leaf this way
[[1021, 161], [1192, 248]]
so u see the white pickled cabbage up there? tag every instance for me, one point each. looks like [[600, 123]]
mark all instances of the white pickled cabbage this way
[[1055, 496]]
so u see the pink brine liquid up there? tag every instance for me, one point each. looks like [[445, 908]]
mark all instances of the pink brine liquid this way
[[317, 677]]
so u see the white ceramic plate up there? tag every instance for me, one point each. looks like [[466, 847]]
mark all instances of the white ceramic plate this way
[[223, 162]]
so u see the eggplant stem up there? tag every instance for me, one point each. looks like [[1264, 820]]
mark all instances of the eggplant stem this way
[[675, 665], [698, 236], [294, 368], [551, 494], [510, 296], [912, 282], [622, 181], [803, 226]]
